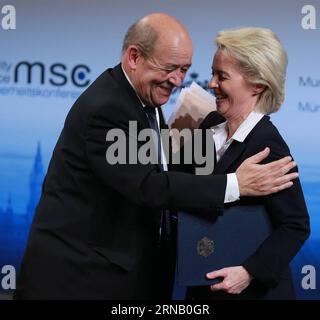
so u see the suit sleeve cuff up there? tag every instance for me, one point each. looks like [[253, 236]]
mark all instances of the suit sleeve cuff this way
[[232, 190]]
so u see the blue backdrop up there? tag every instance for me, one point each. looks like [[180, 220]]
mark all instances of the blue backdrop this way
[[60, 47]]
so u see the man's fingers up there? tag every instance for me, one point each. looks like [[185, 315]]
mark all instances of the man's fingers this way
[[288, 167], [286, 178], [283, 162], [259, 156], [282, 187], [263, 179], [280, 167], [281, 183]]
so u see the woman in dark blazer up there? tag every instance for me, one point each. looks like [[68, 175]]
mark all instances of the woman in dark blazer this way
[[248, 78]]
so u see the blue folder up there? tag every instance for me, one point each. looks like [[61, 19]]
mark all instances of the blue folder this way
[[205, 246]]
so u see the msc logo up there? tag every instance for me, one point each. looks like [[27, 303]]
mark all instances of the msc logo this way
[[56, 74], [8, 20]]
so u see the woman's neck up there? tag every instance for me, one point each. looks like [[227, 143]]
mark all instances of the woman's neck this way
[[235, 122]]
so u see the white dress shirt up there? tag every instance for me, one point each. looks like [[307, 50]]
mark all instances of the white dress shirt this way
[[220, 134]]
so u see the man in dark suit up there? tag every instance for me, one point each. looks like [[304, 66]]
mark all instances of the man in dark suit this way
[[95, 233]]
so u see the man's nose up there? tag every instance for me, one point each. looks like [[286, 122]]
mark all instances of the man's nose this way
[[176, 77]]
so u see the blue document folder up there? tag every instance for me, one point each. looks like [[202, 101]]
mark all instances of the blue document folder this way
[[205, 246]]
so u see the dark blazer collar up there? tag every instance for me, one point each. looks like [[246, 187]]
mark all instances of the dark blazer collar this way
[[236, 149], [230, 156], [118, 74], [135, 102]]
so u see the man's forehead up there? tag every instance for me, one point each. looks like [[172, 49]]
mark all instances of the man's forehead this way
[[173, 58]]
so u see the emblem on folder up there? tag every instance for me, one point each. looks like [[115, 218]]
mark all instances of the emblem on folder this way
[[205, 247]]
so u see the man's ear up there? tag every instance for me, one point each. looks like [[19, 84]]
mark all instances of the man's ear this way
[[257, 89], [133, 55]]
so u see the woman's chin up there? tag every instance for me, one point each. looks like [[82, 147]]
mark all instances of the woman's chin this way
[[221, 109]]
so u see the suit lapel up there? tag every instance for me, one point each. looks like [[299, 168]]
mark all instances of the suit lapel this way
[[163, 124], [236, 149], [135, 103], [231, 155]]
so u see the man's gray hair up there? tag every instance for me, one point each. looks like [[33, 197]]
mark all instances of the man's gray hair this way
[[143, 36]]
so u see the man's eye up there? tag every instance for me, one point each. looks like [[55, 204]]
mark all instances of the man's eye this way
[[173, 69], [166, 70]]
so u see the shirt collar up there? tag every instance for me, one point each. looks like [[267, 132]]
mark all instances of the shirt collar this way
[[125, 74], [244, 129]]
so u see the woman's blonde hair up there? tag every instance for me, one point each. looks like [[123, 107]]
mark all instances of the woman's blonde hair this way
[[263, 60]]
